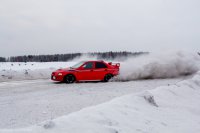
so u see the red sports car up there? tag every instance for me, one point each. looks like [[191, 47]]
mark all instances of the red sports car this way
[[87, 71]]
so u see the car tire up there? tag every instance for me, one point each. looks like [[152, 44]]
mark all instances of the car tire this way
[[69, 79], [107, 77]]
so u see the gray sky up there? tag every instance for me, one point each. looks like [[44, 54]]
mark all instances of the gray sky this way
[[62, 26]]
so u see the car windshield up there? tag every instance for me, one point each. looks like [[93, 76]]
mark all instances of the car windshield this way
[[78, 64]]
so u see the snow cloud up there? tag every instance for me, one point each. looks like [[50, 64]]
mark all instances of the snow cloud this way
[[154, 65], [151, 66]]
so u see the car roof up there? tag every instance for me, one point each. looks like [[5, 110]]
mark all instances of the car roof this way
[[94, 61]]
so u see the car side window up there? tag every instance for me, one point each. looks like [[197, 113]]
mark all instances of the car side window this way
[[100, 65], [88, 65]]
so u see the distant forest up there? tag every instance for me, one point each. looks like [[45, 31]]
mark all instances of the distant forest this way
[[2, 59], [70, 56]]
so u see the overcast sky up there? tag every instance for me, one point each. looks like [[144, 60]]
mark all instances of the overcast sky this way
[[62, 26]]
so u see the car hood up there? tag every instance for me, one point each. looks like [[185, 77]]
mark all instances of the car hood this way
[[65, 70]]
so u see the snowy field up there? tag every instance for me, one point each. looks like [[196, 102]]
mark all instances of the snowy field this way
[[10, 71], [24, 103], [167, 109], [152, 94]]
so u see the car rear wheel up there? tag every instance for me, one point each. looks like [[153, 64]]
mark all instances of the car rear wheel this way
[[107, 77], [69, 79]]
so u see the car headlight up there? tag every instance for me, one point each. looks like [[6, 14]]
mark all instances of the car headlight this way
[[60, 74]]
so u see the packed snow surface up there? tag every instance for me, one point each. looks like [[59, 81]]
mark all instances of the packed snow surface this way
[[28, 102], [166, 109], [173, 107]]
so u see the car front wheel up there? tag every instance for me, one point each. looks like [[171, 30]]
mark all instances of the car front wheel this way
[[69, 79]]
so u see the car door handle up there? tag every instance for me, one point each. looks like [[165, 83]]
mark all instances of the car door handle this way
[[91, 70], [106, 69]]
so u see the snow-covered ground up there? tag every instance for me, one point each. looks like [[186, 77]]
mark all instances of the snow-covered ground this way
[[10, 71], [167, 109], [28, 98], [24, 103]]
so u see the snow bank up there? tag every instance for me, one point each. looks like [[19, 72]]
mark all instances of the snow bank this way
[[29, 70], [166, 109], [152, 66]]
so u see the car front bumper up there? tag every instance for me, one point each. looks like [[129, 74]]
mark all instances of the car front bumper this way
[[56, 77]]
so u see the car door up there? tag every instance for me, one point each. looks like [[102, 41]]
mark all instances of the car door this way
[[86, 71], [100, 70]]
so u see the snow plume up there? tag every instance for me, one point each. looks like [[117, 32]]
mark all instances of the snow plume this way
[[159, 66], [85, 57]]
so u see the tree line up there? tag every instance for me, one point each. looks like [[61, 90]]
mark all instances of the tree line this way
[[2, 59], [70, 56]]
